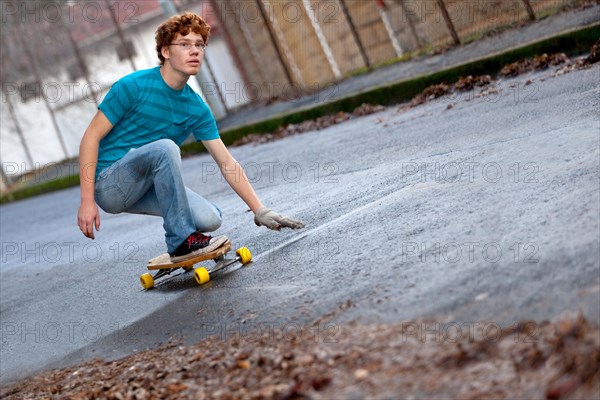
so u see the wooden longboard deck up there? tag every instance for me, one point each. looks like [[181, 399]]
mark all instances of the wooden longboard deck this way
[[164, 261]]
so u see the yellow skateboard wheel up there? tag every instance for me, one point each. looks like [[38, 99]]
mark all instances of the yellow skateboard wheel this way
[[244, 255], [201, 275], [147, 281]]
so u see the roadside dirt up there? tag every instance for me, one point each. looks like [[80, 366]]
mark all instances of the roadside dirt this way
[[418, 359]]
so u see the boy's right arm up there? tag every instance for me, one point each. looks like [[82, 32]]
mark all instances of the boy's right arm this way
[[88, 215]]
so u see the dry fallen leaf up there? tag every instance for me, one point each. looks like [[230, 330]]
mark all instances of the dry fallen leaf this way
[[423, 358]]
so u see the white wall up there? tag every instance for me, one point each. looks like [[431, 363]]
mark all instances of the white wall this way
[[226, 74], [73, 111]]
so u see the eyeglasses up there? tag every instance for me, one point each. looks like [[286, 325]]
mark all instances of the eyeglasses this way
[[187, 46]]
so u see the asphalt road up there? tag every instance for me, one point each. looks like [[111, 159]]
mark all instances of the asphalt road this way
[[487, 211]]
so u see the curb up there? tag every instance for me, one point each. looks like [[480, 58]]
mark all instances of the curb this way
[[574, 42]]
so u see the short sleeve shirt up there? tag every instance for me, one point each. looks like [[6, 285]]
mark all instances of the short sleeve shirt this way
[[142, 109]]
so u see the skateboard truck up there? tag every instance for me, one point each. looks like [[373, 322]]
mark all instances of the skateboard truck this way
[[165, 266]]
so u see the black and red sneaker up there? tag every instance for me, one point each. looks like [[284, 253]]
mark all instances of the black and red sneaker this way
[[195, 245]]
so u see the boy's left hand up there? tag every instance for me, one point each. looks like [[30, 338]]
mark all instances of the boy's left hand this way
[[272, 220]]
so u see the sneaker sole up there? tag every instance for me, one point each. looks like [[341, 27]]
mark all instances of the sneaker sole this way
[[214, 244]]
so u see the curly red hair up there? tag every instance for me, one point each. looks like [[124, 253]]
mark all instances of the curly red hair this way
[[182, 24]]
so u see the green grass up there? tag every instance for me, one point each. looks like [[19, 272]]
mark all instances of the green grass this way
[[548, 12], [428, 49], [41, 188]]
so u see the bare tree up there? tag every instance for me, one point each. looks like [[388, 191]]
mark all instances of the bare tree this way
[[24, 38], [121, 35], [8, 77]]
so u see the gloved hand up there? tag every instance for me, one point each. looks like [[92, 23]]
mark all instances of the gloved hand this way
[[272, 220]]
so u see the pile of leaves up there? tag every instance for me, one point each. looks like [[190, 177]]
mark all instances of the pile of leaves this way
[[545, 61], [464, 84], [536, 63], [594, 55], [420, 359], [430, 93], [582, 63], [309, 125]]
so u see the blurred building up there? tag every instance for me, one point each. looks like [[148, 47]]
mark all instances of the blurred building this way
[[60, 57]]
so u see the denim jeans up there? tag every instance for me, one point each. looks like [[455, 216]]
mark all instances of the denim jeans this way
[[148, 181]]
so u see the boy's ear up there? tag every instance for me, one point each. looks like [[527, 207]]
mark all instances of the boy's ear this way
[[165, 52]]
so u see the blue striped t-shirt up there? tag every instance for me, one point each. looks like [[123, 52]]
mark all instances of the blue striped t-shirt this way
[[142, 109]]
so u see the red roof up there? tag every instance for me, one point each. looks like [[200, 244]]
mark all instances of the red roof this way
[[88, 19]]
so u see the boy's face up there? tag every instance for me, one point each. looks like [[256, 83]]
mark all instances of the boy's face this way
[[182, 60]]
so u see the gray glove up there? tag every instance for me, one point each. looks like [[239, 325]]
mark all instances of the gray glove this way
[[272, 220]]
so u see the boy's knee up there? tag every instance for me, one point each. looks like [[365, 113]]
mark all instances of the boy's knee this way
[[213, 223], [209, 221], [168, 148]]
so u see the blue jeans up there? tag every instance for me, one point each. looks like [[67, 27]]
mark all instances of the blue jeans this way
[[148, 181]]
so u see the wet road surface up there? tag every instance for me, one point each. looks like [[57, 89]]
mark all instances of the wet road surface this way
[[487, 210]]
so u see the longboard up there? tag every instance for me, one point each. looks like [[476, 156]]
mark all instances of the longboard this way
[[165, 266]]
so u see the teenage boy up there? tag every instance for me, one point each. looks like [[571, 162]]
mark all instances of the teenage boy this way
[[130, 158]]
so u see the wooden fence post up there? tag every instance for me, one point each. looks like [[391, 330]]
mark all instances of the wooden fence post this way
[[529, 9], [448, 21], [361, 48]]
